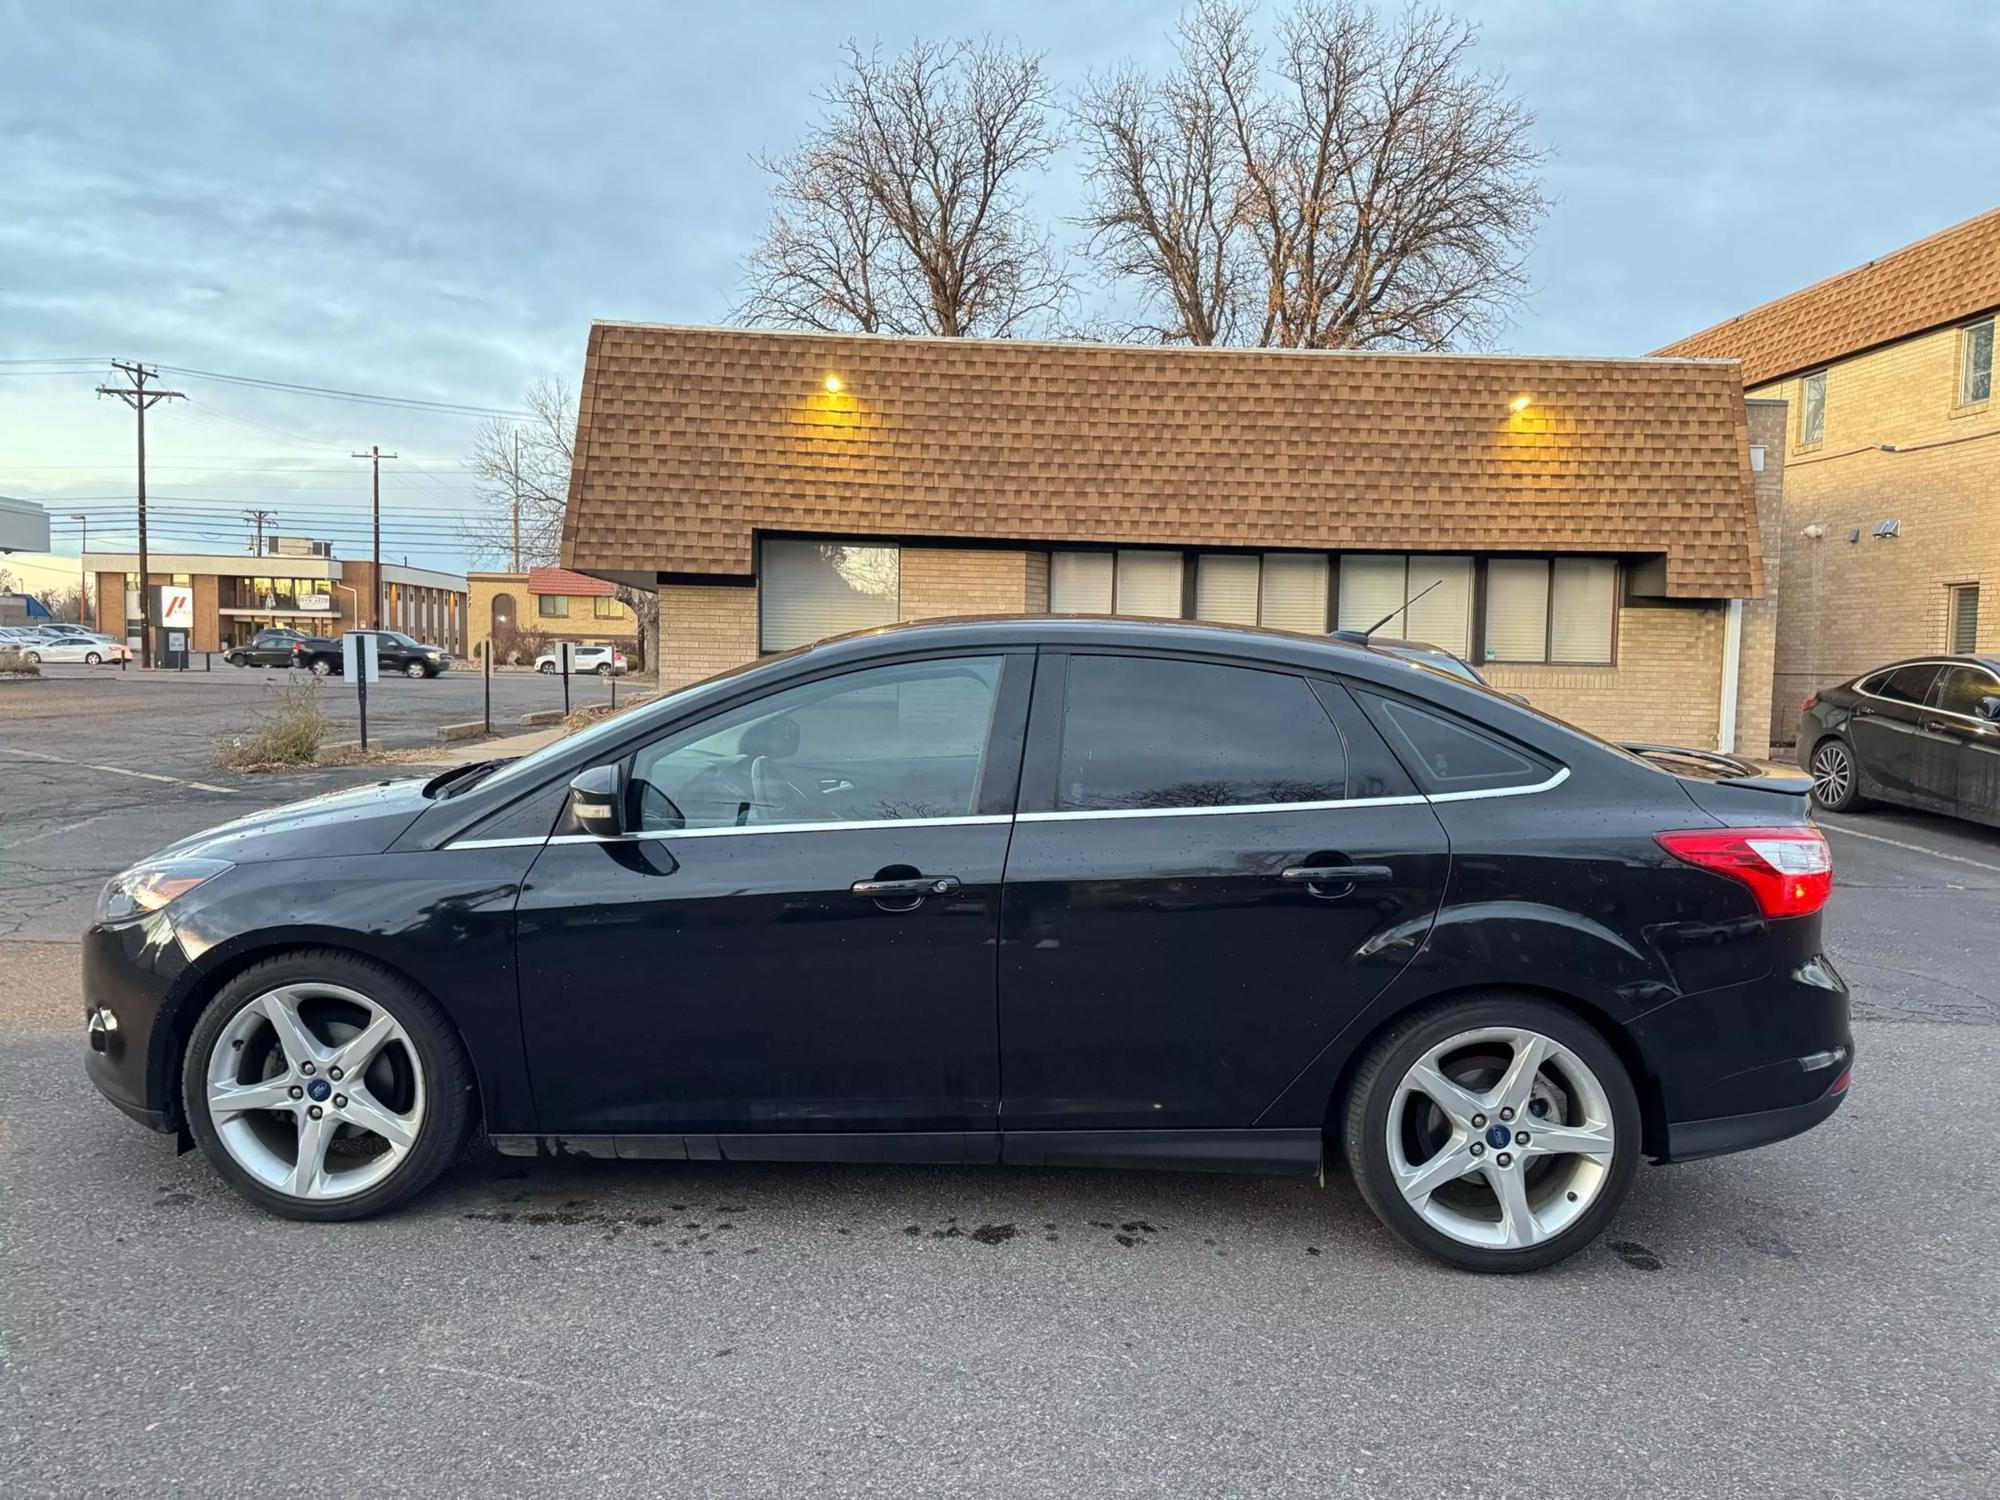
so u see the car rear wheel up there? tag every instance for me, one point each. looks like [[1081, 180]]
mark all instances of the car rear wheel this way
[[34, 656], [321, 667], [92, 659], [604, 670], [1498, 1132], [323, 1086], [1836, 780]]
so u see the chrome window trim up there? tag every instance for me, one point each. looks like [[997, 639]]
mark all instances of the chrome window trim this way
[[974, 819], [1941, 662]]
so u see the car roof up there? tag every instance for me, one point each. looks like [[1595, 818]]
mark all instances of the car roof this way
[[1940, 659], [1253, 642]]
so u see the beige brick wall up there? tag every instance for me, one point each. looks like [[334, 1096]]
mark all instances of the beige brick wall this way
[[1847, 606], [704, 629], [942, 581], [1666, 688], [1754, 692], [582, 622]]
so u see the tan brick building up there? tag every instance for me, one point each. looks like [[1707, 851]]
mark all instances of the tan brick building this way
[[549, 601], [1889, 544], [236, 596], [1595, 529]]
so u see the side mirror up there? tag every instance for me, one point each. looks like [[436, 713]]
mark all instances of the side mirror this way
[[597, 801], [1989, 708]]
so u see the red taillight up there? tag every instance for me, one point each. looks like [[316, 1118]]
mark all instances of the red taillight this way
[[1808, 707], [1788, 870]]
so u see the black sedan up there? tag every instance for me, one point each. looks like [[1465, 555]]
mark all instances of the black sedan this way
[[1089, 892], [1922, 734]]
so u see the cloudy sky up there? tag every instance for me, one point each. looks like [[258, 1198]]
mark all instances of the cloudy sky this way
[[431, 202]]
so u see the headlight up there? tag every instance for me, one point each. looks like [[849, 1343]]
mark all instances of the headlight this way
[[150, 885]]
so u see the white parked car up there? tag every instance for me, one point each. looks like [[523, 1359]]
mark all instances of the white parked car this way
[[605, 661], [92, 650]]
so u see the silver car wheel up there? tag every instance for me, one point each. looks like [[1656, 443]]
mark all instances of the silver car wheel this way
[[1500, 1138], [316, 1091], [1832, 773]]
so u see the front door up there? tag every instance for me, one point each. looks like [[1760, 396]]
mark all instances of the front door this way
[[1206, 885], [799, 937], [1889, 739]]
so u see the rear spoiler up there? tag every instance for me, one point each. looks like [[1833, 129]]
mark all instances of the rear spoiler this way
[[1731, 770]]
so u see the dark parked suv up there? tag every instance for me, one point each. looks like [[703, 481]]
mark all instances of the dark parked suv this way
[[1089, 892], [1923, 734]]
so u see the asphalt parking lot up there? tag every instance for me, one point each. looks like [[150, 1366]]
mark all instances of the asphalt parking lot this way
[[1815, 1319]]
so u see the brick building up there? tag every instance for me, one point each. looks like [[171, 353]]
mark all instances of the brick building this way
[[549, 601], [236, 596], [1889, 544], [1596, 529]]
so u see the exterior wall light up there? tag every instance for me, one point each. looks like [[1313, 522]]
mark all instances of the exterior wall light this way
[[833, 386], [1520, 404]]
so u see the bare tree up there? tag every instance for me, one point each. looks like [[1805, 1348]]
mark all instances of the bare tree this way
[[1370, 189], [523, 465], [903, 211]]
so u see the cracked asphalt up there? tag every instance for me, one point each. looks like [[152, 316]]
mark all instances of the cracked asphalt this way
[[1815, 1319]]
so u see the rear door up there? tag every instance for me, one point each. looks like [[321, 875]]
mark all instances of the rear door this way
[[1210, 875], [1889, 738], [1968, 774]]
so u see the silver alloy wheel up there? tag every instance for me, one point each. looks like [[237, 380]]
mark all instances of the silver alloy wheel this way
[[322, 668], [415, 669], [1832, 773], [1503, 1164], [314, 1087]]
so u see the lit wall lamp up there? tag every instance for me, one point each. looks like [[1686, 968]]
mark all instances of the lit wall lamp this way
[[833, 385], [1520, 404]]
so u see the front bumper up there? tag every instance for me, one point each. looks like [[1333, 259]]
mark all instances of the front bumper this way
[[130, 974]]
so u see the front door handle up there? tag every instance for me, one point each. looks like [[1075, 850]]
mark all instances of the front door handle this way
[[1336, 874], [917, 887], [1935, 726]]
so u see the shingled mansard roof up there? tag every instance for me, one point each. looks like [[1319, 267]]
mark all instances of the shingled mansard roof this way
[[1951, 276], [562, 581], [692, 440]]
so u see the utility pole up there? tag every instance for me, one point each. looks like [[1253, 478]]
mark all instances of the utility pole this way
[[259, 519], [517, 499], [83, 572], [140, 399], [375, 455]]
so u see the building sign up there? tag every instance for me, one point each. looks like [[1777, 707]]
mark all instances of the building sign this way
[[177, 606], [315, 601]]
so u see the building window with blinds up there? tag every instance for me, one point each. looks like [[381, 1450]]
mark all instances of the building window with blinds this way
[[1560, 610], [1130, 581], [809, 590], [1279, 590], [1964, 619], [1424, 598]]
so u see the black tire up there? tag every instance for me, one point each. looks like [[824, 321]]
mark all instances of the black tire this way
[[447, 1072], [237, 659], [33, 656], [92, 659], [416, 670], [1364, 1117], [1841, 767], [604, 670], [321, 667], [546, 668]]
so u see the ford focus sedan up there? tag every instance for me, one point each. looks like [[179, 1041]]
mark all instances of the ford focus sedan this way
[[1034, 891]]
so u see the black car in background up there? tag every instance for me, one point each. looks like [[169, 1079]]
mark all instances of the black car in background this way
[[1922, 733], [395, 652], [267, 648], [1035, 891]]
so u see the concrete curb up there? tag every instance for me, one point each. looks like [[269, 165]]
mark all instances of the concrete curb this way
[[543, 716], [471, 731]]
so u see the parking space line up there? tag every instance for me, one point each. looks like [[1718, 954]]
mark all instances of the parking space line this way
[[1957, 859], [200, 786]]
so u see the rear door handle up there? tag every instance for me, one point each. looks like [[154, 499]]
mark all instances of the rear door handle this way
[[1336, 874], [917, 886]]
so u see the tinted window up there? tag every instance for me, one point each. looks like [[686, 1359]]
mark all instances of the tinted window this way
[[1445, 753], [1959, 689], [1904, 685], [1142, 732], [902, 741]]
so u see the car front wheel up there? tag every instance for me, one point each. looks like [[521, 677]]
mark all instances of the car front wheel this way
[[1836, 780], [324, 1086], [237, 659], [547, 668], [1498, 1132], [416, 669]]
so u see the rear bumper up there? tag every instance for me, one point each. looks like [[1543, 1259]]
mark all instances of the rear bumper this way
[[1691, 1140]]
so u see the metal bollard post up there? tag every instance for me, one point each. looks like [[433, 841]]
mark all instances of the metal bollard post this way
[[487, 656], [208, 661]]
